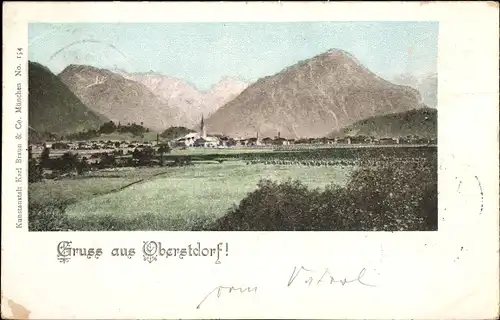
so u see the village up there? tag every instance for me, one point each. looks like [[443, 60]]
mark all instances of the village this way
[[73, 157], [197, 140]]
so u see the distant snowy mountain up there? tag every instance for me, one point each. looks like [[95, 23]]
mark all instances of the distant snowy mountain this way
[[190, 102], [426, 85]]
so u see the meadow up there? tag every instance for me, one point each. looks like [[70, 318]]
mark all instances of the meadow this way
[[171, 198], [88, 186], [201, 195]]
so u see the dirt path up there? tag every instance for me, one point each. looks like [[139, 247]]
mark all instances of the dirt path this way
[[130, 184]]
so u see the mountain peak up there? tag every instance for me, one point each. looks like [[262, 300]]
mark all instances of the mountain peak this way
[[38, 65], [339, 53], [117, 97], [312, 98], [77, 68]]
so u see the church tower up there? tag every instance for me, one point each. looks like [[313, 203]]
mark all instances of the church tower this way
[[203, 131]]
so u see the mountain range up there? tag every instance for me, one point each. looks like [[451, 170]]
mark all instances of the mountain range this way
[[190, 103], [119, 99], [312, 98]]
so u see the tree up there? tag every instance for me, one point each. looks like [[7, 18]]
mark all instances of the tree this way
[[66, 163], [163, 148], [82, 166], [143, 156], [108, 127], [45, 157], [175, 132], [107, 160], [231, 142], [35, 170]]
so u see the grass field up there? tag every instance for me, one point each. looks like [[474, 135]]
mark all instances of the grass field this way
[[89, 186], [171, 198], [192, 197], [201, 192]]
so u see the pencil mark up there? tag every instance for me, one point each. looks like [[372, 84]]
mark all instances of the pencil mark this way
[[328, 277], [230, 289], [482, 194], [86, 41]]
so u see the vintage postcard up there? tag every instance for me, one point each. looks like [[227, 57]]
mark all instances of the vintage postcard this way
[[135, 134]]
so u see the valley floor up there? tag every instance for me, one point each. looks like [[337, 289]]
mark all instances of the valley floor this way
[[209, 195], [172, 198]]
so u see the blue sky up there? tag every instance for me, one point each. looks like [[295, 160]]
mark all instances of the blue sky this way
[[203, 53]]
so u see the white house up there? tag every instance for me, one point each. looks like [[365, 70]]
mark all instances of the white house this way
[[198, 139], [188, 140], [207, 142]]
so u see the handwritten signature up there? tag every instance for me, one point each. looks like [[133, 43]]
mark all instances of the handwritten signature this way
[[231, 289], [327, 277]]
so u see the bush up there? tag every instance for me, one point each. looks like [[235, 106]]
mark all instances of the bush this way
[[389, 198], [45, 157], [143, 156], [35, 171], [47, 217], [163, 148], [107, 161], [108, 127], [66, 163]]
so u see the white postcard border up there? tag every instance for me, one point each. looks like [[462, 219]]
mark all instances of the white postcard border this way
[[452, 273]]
